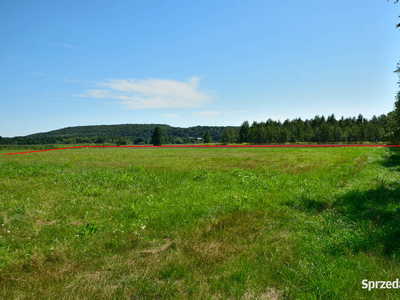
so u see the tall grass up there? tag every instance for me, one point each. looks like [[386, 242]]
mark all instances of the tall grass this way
[[199, 223]]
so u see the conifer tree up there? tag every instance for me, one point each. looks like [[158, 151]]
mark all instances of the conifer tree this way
[[244, 132], [157, 138], [207, 137]]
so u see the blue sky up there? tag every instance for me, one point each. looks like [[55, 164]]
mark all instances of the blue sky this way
[[188, 63]]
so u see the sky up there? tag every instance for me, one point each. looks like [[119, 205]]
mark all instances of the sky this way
[[187, 63]]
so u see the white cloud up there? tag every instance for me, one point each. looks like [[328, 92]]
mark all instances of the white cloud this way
[[152, 93], [171, 116]]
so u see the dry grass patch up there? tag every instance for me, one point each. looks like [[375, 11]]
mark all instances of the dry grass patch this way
[[161, 249], [270, 294], [45, 222]]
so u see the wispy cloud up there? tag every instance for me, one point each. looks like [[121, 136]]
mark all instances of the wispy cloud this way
[[171, 116], [235, 112], [206, 113], [152, 93], [59, 45]]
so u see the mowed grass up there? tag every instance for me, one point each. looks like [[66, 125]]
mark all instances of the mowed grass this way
[[160, 223]]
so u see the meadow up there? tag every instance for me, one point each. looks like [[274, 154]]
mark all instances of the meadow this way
[[199, 223]]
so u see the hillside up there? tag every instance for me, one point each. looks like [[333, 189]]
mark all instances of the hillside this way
[[129, 130], [130, 133]]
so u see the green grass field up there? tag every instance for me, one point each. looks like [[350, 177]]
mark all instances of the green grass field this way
[[188, 223]]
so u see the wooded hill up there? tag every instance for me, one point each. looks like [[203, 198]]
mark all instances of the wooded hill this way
[[124, 133]]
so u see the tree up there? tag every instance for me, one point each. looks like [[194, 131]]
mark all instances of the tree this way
[[395, 114], [337, 134], [179, 141], [100, 140], [299, 133], [207, 137], [244, 132], [360, 119], [284, 136], [395, 120], [396, 1], [331, 119], [157, 137], [225, 137], [260, 133], [229, 135], [139, 141], [121, 142]]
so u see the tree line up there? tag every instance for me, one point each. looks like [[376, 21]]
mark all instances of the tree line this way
[[102, 139], [315, 130]]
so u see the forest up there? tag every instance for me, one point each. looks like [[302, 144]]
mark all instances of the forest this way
[[316, 130]]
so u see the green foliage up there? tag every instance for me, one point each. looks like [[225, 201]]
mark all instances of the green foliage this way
[[87, 229], [138, 134], [207, 137], [132, 210], [244, 132], [394, 116], [157, 138], [316, 130], [239, 203], [229, 135], [121, 142], [395, 120], [100, 140]]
